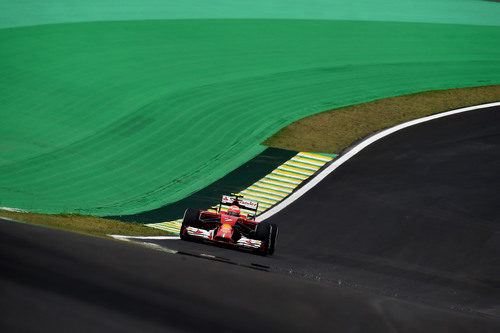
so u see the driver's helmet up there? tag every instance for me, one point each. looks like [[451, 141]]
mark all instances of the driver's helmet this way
[[233, 211]]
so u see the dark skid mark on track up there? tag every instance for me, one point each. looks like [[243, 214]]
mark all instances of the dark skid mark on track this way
[[226, 261], [206, 256]]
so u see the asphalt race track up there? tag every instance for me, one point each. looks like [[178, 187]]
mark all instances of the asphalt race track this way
[[403, 237]]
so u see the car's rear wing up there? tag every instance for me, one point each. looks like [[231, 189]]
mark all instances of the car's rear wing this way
[[249, 205]]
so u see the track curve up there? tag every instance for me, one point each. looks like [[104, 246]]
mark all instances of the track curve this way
[[403, 237], [413, 216]]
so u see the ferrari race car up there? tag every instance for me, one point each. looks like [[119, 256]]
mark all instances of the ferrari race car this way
[[232, 227]]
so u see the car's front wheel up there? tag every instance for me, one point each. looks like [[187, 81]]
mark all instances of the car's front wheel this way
[[263, 232], [191, 219]]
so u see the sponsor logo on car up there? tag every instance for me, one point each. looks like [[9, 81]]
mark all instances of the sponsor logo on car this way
[[226, 199]]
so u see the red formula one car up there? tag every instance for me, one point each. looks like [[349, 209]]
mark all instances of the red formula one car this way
[[232, 227]]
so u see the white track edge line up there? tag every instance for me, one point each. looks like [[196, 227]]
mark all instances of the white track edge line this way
[[9, 209], [356, 149], [127, 238]]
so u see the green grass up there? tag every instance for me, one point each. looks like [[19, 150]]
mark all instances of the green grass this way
[[35, 12], [330, 131], [88, 225], [114, 118], [117, 117], [334, 130]]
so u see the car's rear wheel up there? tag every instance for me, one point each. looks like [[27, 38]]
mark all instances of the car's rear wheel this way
[[274, 233], [191, 219]]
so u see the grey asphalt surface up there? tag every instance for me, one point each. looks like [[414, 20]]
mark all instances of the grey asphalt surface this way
[[403, 237]]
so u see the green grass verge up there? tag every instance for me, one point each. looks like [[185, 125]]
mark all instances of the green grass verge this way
[[328, 132], [88, 225], [114, 118], [334, 130]]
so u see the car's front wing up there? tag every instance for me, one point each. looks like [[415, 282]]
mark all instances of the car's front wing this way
[[209, 236]]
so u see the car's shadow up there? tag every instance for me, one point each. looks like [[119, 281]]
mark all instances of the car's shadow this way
[[218, 252]]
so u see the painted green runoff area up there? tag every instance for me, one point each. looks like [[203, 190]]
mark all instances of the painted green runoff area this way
[[120, 117], [36, 12]]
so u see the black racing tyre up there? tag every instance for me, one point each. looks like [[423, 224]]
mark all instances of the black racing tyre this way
[[263, 233], [191, 219], [274, 233]]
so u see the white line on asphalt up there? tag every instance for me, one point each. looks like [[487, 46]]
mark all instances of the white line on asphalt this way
[[356, 149]]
